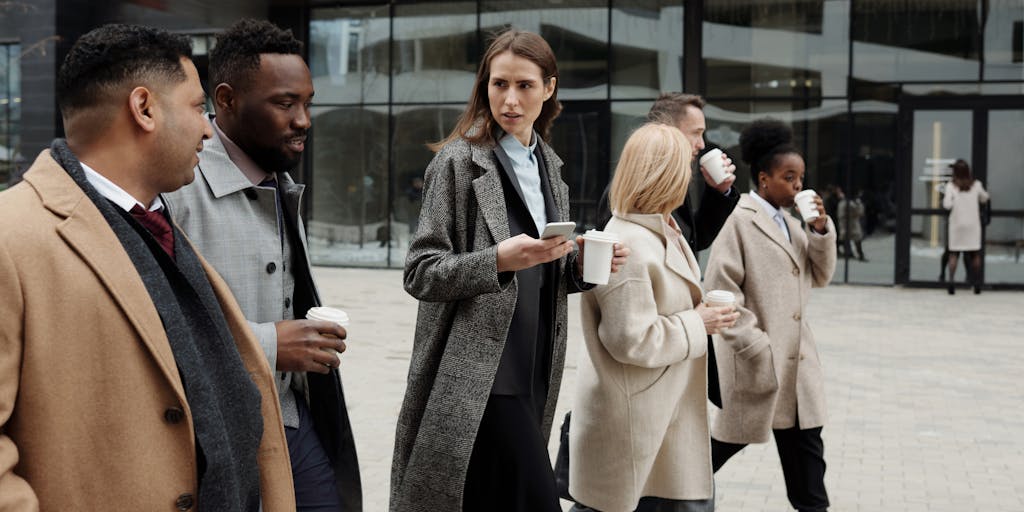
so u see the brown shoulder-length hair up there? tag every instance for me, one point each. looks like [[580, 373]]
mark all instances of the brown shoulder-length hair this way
[[476, 124], [962, 177]]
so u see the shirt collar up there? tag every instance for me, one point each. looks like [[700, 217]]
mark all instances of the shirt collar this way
[[116, 194], [249, 168], [768, 208], [516, 150]]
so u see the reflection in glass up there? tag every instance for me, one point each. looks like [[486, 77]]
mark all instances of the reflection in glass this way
[[819, 132], [922, 40], [348, 54], [414, 128], [576, 137], [577, 31], [940, 137], [927, 243], [11, 160], [1004, 39], [873, 178], [435, 52], [765, 49], [1004, 251], [348, 221], [626, 117], [647, 48]]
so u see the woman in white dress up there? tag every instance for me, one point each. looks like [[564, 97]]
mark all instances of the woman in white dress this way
[[963, 198]]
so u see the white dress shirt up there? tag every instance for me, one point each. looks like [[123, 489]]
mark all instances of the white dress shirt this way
[[774, 213], [116, 194]]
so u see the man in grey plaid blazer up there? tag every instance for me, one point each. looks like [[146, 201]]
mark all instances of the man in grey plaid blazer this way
[[242, 212]]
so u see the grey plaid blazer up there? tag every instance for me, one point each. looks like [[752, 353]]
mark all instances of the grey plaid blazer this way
[[464, 316]]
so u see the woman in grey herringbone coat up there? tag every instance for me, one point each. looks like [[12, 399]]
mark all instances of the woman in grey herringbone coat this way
[[490, 334]]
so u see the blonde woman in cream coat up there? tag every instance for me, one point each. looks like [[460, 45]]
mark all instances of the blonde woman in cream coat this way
[[640, 437]]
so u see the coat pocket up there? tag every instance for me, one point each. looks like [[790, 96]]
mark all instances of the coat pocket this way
[[756, 376]]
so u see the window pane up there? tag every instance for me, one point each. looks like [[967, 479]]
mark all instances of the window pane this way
[[819, 132], [1004, 251], [577, 31], [435, 52], [349, 215], [763, 49], [626, 117], [348, 54], [897, 40], [1004, 40], [873, 180], [414, 128], [578, 139], [11, 159], [1005, 176], [940, 137], [927, 243], [647, 48]]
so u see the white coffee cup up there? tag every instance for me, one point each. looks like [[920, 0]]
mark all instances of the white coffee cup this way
[[712, 162], [805, 204], [328, 314], [598, 249], [719, 298]]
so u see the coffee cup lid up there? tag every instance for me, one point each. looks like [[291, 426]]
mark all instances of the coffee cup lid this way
[[600, 236], [806, 192], [710, 154], [328, 314], [720, 296]]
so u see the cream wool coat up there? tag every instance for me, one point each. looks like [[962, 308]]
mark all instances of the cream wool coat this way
[[639, 422], [768, 363]]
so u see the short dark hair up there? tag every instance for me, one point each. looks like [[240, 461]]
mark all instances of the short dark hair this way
[[763, 141], [670, 107], [116, 55], [237, 53]]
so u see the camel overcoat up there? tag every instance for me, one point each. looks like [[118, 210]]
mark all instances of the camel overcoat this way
[[640, 420], [465, 311], [768, 362], [93, 413]]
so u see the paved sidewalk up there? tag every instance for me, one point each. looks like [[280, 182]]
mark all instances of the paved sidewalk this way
[[925, 390]]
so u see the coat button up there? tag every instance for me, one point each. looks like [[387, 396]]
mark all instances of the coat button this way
[[271, 267], [796, 316], [287, 302], [796, 271], [174, 415], [801, 358], [184, 502]]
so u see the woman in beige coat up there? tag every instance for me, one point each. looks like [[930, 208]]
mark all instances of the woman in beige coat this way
[[768, 363], [639, 438]]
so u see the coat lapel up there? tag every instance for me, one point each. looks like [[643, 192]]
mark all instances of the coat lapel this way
[[769, 227], [678, 260], [489, 194], [559, 190], [87, 232]]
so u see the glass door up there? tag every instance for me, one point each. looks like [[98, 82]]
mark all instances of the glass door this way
[[985, 132]]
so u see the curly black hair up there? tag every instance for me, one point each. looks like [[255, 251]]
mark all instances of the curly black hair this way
[[116, 55], [237, 52], [763, 141]]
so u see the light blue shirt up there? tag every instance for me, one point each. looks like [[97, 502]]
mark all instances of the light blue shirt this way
[[524, 163], [774, 213]]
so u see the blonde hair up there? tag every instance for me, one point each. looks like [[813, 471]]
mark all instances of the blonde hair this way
[[653, 173]]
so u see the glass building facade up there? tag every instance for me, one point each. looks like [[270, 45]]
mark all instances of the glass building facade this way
[[881, 95]]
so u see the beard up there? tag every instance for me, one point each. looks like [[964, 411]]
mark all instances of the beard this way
[[273, 159]]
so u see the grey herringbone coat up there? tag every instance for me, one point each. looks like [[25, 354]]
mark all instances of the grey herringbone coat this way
[[464, 316]]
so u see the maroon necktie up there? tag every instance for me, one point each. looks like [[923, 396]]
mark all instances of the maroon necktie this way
[[156, 223]]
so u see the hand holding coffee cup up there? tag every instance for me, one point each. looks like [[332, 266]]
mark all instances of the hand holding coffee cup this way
[[718, 311], [812, 209], [718, 170], [333, 315]]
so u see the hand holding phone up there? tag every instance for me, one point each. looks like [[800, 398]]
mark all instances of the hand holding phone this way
[[553, 229]]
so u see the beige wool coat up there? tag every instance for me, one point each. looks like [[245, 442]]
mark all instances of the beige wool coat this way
[[768, 365], [639, 422], [88, 382]]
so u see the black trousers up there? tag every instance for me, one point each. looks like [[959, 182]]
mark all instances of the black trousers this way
[[802, 454], [315, 488], [509, 469]]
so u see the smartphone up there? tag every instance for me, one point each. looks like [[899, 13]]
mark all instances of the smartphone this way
[[553, 229]]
